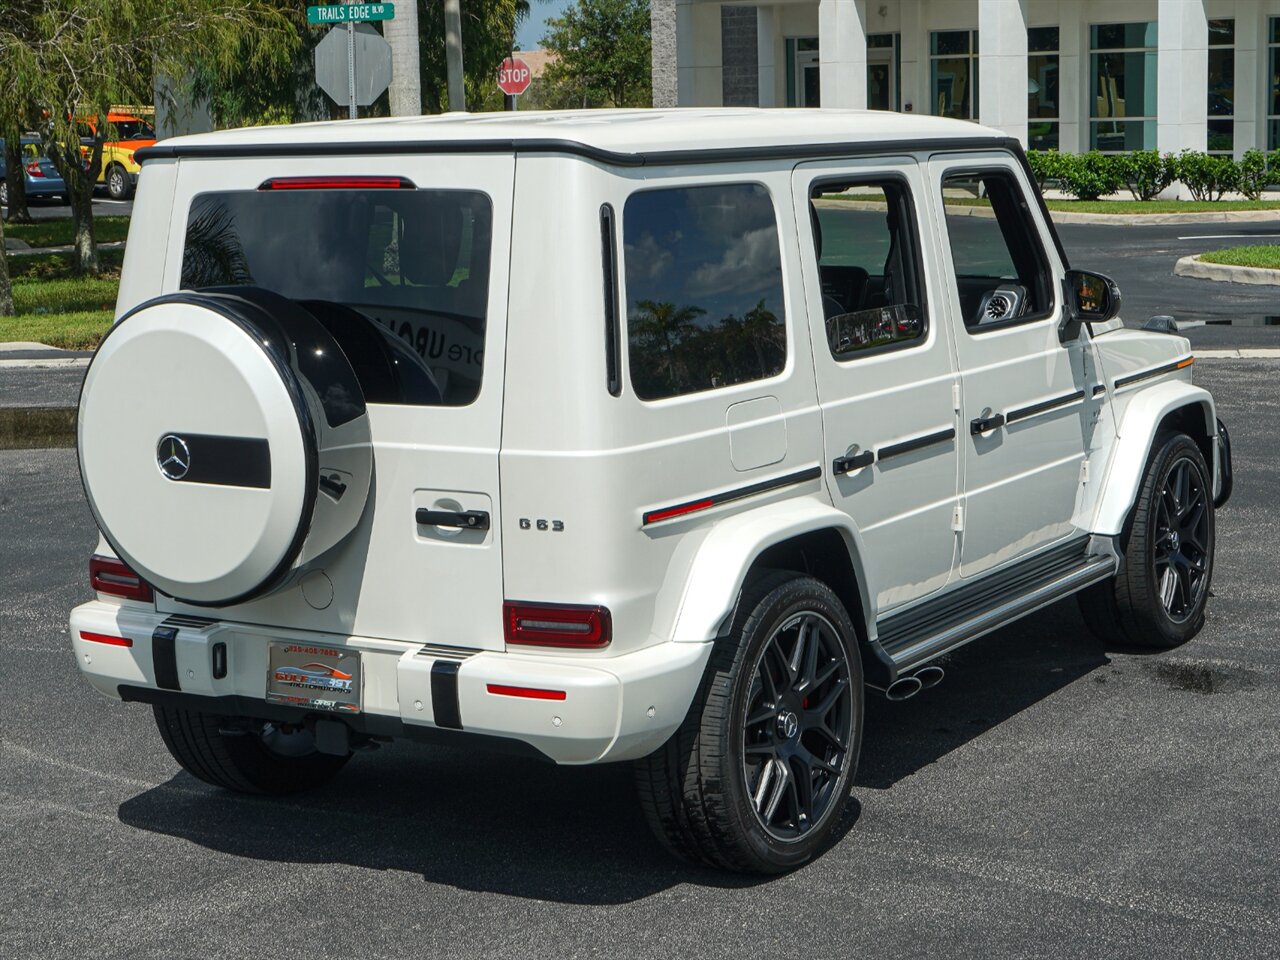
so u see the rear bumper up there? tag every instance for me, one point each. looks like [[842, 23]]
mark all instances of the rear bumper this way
[[616, 708]]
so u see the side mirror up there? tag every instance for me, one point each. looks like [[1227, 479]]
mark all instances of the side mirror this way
[[1091, 297]]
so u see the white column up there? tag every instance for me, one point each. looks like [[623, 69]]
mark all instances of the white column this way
[[1251, 59], [1183, 71], [1073, 77], [842, 53], [1002, 66], [913, 58], [766, 56]]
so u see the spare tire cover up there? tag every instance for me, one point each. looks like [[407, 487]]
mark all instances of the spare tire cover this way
[[224, 442]]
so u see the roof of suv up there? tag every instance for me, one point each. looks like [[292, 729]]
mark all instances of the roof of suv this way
[[614, 135]]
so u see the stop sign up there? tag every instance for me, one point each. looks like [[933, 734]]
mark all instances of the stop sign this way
[[514, 76]]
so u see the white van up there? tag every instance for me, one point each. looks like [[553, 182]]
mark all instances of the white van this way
[[635, 435]]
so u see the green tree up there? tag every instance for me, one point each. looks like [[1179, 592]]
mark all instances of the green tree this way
[[488, 30], [663, 336], [77, 57], [6, 294], [602, 50]]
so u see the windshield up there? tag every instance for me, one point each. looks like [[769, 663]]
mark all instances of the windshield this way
[[400, 277], [130, 130]]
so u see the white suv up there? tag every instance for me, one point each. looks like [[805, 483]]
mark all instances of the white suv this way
[[649, 436]]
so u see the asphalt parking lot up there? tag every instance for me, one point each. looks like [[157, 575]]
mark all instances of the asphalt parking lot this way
[[1051, 798]]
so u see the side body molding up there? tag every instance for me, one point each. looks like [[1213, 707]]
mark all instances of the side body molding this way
[[1138, 425], [724, 557]]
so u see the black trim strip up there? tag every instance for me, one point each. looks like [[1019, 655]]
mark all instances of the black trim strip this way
[[1022, 413], [444, 694], [1099, 389], [782, 151], [715, 500], [1153, 372], [612, 326], [918, 443], [164, 657]]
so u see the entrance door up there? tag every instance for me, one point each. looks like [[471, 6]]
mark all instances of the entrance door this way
[[882, 92], [807, 86], [886, 376], [1027, 398]]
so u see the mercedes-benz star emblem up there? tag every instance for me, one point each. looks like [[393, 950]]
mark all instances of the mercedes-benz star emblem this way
[[173, 456]]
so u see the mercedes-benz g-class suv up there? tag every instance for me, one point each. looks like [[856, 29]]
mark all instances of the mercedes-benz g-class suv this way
[[665, 437]]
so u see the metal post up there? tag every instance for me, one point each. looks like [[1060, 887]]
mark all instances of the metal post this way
[[453, 53], [351, 70]]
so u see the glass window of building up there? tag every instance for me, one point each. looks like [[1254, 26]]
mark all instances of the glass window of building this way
[[1043, 111], [1273, 84], [883, 72], [1122, 86], [953, 73], [1222, 86]]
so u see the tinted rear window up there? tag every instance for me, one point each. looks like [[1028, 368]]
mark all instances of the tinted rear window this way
[[399, 277], [704, 289]]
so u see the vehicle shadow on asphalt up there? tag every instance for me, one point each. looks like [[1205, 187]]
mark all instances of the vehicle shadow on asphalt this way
[[485, 822]]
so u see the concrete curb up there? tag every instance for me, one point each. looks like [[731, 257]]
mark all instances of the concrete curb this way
[[66, 248], [1244, 353], [1097, 219], [46, 362], [28, 428], [1193, 266]]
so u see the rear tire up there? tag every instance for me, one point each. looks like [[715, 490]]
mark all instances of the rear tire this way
[[118, 185], [269, 760], [1158, 598], [729, 788]]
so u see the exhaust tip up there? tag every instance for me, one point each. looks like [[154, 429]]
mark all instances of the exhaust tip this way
[[903, 688], [929, 676]]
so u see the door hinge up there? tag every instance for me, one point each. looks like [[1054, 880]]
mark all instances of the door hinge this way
[[957, 519], [1084, 472], [955, 396]]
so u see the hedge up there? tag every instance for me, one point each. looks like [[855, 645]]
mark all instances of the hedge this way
[[1146, 173]]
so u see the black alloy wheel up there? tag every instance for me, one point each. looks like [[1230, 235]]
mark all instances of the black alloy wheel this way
[[1181, 543], [798, 725]]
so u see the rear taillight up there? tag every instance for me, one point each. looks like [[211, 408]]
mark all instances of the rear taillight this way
[[34, 171], [556, 625], [109, 575]]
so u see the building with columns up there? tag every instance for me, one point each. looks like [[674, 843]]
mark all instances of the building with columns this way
[[1073, 74]]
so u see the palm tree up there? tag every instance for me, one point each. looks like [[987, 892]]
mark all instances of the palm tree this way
[[658, 333]]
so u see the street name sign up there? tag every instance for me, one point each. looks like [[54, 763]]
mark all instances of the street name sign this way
[[351, 12]]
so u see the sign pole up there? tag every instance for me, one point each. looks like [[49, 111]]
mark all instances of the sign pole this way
[[351, 70]]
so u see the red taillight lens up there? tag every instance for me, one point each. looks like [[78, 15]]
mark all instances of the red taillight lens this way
[[33, 169], [337, 183], [107, 639], [528, 693], [556, 625], [109, 575]]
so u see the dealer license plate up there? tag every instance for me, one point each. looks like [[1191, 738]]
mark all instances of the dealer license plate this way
[[319, 678]]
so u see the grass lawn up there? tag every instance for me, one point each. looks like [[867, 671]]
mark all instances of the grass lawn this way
[[1265, 256], [56, 307], [56, 233]]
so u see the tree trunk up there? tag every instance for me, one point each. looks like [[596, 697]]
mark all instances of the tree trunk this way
[[86, 248], [6, 295], [16, 182], [406, 81]]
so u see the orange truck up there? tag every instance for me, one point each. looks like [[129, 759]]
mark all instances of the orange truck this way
[[126, 134]]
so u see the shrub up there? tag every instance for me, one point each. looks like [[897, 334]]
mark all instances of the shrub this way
[[1253, 175], [1088, 176], [1147, 173], [1046, 165], [1207, 177]]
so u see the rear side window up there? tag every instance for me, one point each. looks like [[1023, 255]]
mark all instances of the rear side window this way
[[704, 289], [399, 277]]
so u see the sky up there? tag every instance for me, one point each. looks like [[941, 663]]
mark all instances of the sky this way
[[531, 32]]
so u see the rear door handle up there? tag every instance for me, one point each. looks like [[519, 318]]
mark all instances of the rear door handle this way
[[983, 424], [843, 465], [466, 519]]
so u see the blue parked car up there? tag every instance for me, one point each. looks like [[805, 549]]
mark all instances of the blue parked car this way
[[42, 178]]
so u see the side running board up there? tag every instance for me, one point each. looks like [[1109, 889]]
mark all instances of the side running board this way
[[922, 633]]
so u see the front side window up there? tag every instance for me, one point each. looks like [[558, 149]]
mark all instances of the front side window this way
[[400, 277], [1122, 86], [864, 237], [703, 289], [1002, 276]]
